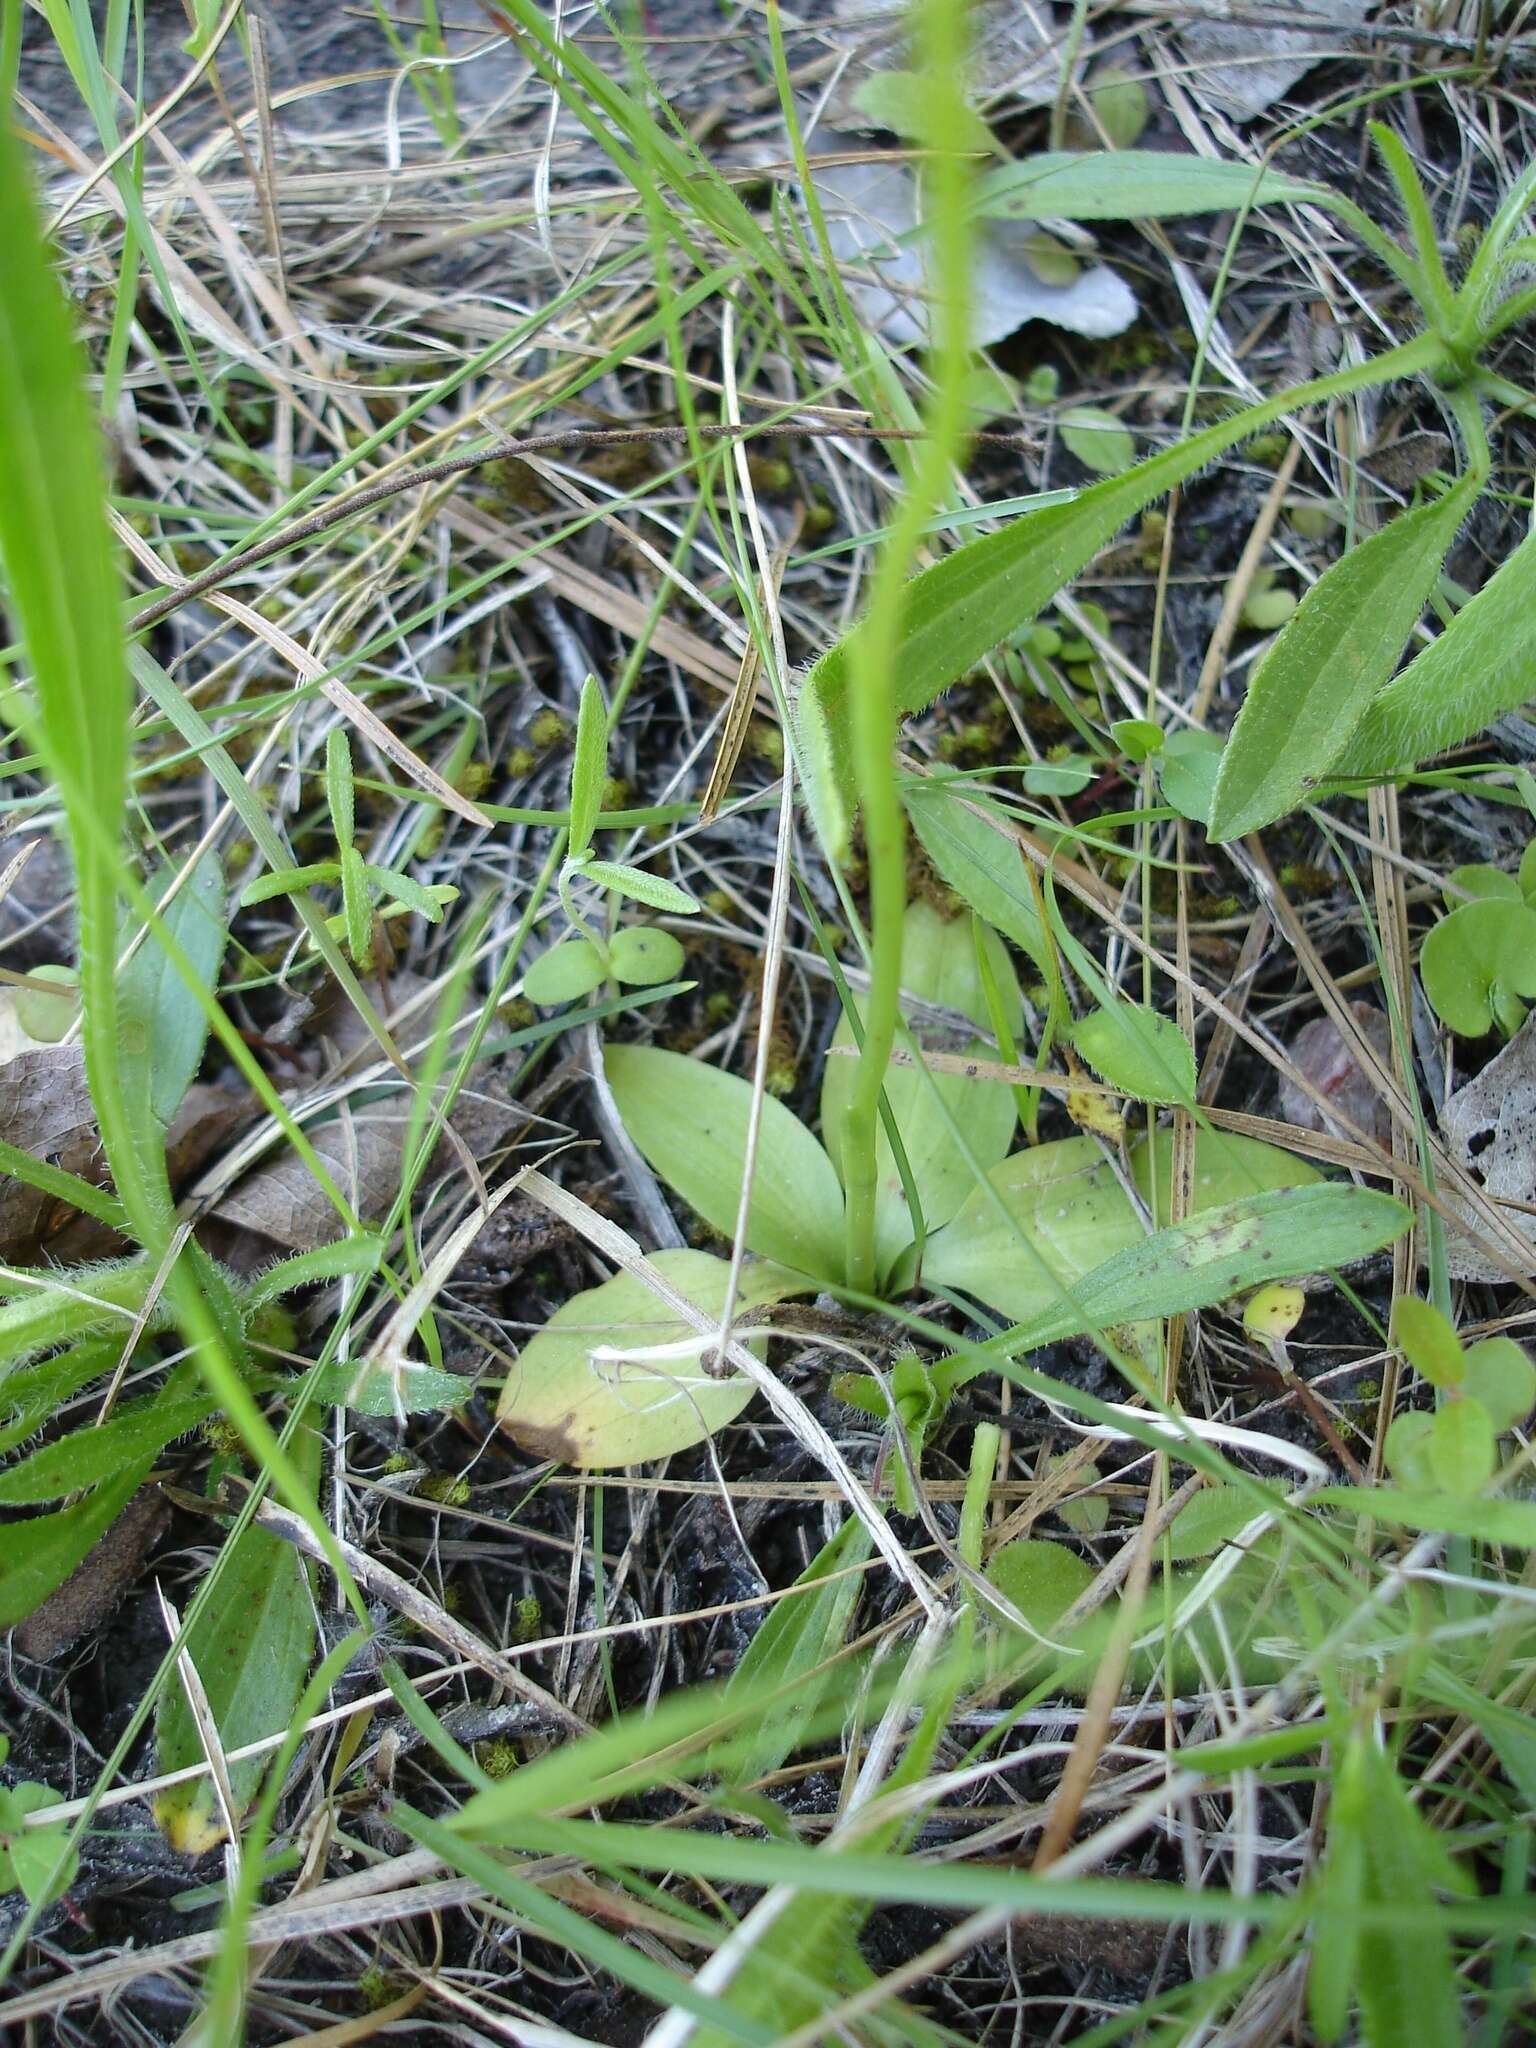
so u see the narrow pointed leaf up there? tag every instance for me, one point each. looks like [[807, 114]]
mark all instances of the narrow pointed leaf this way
[[42, 1551], [966, 604], [339, 784], [251, 1648], [1337, 651], [589, 768], [162, 1020], [1482, 666], [691, 1120], [980, 863], [654, 891], [1131, 184]]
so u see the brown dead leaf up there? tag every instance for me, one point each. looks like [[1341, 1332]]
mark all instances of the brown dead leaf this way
[[93, 1589], [362, 1150], [1490, 1129], [1320, 1052], [45, 1111]]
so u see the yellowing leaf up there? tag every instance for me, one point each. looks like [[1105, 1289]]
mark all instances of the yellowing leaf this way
[[562, 1401]]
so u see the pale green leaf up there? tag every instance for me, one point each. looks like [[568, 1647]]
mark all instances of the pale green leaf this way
[[981, 863], [1215, 1254], [1341, 645], [691, 1122], [561, 1402], [903, 102], [283, 882], [1407, 1448], [1187, 771], [642, 956], [1098, 440], [1405, 1978], [1427, 1341], [799, 1633], [589, 768], [428, 900], [654, 891], [1462, 1453], [1064, 1213], [251, 1648], [356, 910], [1215, 1516], [1137, 738], [359, 1254], [564, 973], [163, 1023], [407, 1389], [339, 784], [1488, 1521], [1482, 666], [1138, 1051], [1475, 960], [47, 1018], [1130, 184], [1500, 1376], [939, 966]]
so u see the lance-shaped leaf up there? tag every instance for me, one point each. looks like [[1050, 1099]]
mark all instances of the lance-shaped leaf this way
[[654, 891], [162, 1020], [42, 1551], [1339, 648], [1130, 184], [967, 603], [589, 768], [691, 1122], [564, 1398], [979, 862], [1139, 1051], [1482, 666], [251, 1648]]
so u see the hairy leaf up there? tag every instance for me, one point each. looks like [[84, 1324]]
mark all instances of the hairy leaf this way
[[1340, 646], [1139, 1051], [980, 863], [654, 891], [42, 1551]]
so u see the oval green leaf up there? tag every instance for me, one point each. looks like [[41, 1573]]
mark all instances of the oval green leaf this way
[[1139, 1051], [1475, 960], [565, 973], [691, 1120], [561, 1402], [642, 956], [938, 965], [1098, 440]]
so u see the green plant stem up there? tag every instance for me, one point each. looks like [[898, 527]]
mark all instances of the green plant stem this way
[[874, 675]]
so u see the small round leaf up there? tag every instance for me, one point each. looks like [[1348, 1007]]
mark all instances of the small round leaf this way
[[642, 956], [1462, 1453], [1187, 768], [1502, 1380], [1427, 1341], [1097, 439], [565, 973], [1041, 1579], [1407, 1449], [1476, 961], [1212, 1518], [47, 1018]]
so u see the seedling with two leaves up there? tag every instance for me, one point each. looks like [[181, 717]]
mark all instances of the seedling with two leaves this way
[[28, 1855], [367, 891], [1484, 1390], [643, 956]]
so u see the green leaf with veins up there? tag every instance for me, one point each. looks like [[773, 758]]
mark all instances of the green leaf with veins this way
[[1139, 1051], [654, 891], [1339, 647]]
